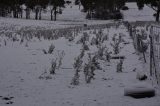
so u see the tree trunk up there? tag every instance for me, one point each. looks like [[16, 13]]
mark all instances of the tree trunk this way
[[40, 15], [36, 14], [158, 11], [27, 13], [20, 12], [14, 13], [51, 14], [55, 13], [157, 15]]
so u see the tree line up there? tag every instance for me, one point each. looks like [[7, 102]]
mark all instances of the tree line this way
[[103, 9], [99, 9], [15, 8]]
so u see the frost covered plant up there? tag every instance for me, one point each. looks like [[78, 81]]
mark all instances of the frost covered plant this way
[[77, 66], [78, 63], [51, 49], [45, 75], [61, 55], [84, 38], [75, 80], [99, 39], [94, 32], [53, 67], [120, 66], [82, 53], [142, 42], [94, 41], [99, 35], [71, 38], [100, 52], [105, 38], [107, 55], [116, 44], [85, 47], [90, 67]]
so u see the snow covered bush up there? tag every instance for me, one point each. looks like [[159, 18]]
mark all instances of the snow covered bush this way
[[51, 49], [82, 53], [107, 55], [75, 80], [45, 75], [77, 67], [94, 41], [142, 42], [90, 67], [100, 52], [84, 38], [53, 67], [116, 43], [120, 66], [99, 36], [141, 76], [61, 55], [85, 47]]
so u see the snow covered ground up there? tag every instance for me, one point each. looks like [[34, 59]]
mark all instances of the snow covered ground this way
[[134, 14], [24, 67]]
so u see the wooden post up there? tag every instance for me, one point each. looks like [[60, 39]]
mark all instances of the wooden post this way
[[151, 54]]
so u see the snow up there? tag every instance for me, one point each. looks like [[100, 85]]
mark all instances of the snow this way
[[134, 14], [22, 63]]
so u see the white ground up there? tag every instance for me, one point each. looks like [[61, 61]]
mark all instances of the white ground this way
[[22, 64], [133, 14]]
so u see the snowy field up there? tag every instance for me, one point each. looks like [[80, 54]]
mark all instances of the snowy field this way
[[134, 14], [28, 49]]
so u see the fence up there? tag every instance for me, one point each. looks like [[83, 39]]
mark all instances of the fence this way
[[154, 35], [155, 53]]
